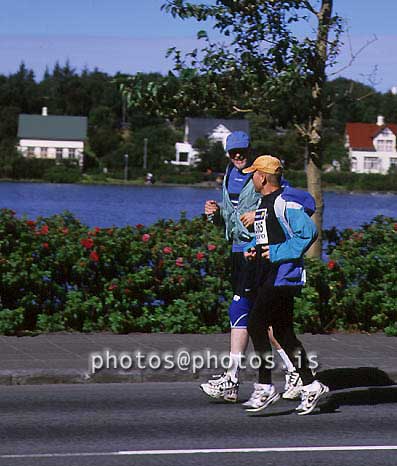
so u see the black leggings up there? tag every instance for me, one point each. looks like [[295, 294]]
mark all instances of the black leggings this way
[[275, 306]]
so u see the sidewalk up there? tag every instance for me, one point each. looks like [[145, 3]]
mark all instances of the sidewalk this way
[[64, 357]]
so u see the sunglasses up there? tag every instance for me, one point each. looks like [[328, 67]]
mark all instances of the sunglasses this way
[[238, 154]]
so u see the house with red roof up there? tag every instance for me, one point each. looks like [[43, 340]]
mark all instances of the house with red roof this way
[[372, 146]]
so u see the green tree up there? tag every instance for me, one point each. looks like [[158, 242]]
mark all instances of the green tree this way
[[273, 54], [212, 155]]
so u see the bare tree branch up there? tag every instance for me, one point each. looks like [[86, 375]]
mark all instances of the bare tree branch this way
[[301, 130], [371, 77], [242, 110], [354, 55], [309, 6]]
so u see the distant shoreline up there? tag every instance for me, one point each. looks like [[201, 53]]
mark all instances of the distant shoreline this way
[[202, 185]]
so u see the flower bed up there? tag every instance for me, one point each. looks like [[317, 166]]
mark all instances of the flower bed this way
[[57, 274]]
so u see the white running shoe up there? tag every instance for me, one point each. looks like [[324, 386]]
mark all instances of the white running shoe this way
[[263, 396], [293, 386], [222, 386], [257, 393], [310, 396]]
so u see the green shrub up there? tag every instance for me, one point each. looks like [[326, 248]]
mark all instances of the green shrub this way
[[58, 274], [11, 320], [62, 174]]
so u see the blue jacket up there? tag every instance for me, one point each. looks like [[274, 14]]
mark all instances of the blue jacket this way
[[300, 233], [247, 201]]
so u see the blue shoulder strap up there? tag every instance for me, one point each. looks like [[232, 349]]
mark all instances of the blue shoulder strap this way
[[301, 197]]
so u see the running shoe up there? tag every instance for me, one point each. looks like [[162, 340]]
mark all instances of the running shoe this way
[[293, 386], [263, 396], [310, 396], [257, 393], [222, 386]]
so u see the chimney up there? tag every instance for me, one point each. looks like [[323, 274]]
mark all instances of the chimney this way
[[44, 111], [380, 121]]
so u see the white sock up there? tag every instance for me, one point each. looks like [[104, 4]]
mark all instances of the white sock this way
[[264, 386], [235, 363], [286, 360]]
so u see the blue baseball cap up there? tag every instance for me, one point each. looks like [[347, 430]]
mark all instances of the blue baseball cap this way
[[237, 140]]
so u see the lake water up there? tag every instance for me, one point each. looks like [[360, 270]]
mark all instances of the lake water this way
[[128, 205]]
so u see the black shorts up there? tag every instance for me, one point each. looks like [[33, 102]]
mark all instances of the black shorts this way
[[243, 275], [274, 305]]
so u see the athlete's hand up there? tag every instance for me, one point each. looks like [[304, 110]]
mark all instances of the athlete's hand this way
[[210, 207], [248, 218], [250, 254], [265, 252]]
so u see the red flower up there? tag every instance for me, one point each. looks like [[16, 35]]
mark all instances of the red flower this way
[[200, 256], [395, 227], [110, 231], [211, 247], [167, 250], [139, 226], [112, 287], [145, 237], [31, 224], [45, 245], [87, 242], [94, 256], [331, 265], [44, 230], [97, 229], [65, 231], [179, 262]]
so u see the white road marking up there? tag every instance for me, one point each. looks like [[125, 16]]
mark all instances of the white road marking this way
[[208, 451]]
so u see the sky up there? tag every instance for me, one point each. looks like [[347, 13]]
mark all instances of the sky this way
[[134, 35]]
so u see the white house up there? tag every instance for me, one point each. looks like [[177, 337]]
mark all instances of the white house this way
[[52, 136], [214, 129], [372, 147]]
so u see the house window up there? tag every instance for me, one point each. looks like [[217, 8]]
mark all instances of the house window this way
[[385, 145], [354, 163], [183, 156], [43, 152], [72, 153], [30, 151], [59, 153], [393, 163], [371, 163]]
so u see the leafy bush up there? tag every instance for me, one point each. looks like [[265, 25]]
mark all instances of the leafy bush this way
[[357, 288], [62, 174], [347, 180], [58, 274], [169, 277]]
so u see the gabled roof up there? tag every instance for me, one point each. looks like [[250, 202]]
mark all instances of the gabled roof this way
[[203, 127], [52, 127], [361, 135]]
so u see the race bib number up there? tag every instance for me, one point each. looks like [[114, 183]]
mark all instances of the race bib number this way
[[260, 227]]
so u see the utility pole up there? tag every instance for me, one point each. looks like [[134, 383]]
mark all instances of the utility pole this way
[[145, 154], [125, 167]]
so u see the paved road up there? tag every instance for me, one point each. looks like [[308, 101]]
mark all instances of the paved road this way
[[92, 423]]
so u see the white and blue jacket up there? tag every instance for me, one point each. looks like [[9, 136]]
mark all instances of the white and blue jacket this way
[[300, 232], [292, 208]]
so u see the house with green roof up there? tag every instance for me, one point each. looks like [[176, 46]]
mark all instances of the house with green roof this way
[[52, 136]]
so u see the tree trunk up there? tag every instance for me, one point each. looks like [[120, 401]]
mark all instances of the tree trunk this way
[[313, 171], [313, 174]]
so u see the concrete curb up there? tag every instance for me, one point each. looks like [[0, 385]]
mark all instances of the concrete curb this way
[[73, 376]]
